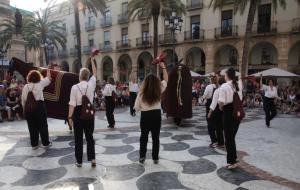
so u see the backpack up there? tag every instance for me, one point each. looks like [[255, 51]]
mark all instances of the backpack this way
[[87, 110], [31, 103], [238, 110]]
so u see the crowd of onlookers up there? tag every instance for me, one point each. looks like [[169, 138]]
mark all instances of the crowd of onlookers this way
[[288, 97], [10, 100]]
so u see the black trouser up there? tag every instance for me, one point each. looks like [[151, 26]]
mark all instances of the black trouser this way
[[110, 106], [132, 101], [210, 125], [150, 122], [270, 109], [37, 125], [218, 125], [86, 126], [230, 129]]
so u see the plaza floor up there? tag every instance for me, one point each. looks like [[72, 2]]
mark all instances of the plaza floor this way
[[269, 158]]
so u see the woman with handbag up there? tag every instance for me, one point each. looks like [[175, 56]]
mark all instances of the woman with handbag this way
[[81, 98], [34, 108]]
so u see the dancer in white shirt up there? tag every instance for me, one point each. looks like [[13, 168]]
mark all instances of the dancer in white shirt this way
[[133, 90], [109, 92], [270, 94]]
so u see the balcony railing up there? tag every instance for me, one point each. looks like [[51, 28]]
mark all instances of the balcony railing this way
[[62, 53], [123, 18], [223, 32], [123, 44], [143, 14], [87, 50], [296, 25], [144, 41], [106, 47], [166, 39], [192, 5], [73, 52], [194, 36], [261, 29], [90, 26], [106, 22]]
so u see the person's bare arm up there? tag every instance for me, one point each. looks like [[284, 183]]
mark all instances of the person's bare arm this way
[[70, 115], [94, 68], [165, 73]]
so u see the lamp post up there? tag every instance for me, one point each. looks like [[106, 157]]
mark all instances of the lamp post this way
[[47, 45], [174, 23]]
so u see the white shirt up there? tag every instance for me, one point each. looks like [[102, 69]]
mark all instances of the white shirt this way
[[37, 90], [208, 92], [143, 106], [215, 98], [133, 87], [270, 93], [85, 87], [226, 93], [108, 89]]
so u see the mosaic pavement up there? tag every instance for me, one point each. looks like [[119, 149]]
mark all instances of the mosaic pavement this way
[[185, 162]]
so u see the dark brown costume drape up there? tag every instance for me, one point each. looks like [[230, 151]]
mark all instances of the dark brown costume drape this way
[[176, 93]]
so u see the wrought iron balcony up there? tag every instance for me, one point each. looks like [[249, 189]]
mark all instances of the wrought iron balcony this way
[[73, 52], [123, 44], [223, 32], [106, 22], [144, 42], [62, 53], [166, 39], [87, 50], [106, 47], [192, 5], [90, 26], [123, 18], [262, 29], [296, 25], [194, 36]]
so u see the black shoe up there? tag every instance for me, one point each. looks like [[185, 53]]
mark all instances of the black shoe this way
[[155, 161], [133, 114], [48, 146], [78, 165], [142, 160], [93, 163]]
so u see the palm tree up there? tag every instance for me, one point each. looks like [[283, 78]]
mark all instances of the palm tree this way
[[93, 6], [240, 5], [154, 8]]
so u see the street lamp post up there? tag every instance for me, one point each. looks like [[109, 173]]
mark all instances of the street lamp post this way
[[174, 23], [47, 45]]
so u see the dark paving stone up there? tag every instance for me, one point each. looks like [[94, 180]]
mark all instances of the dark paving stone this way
[[188, 125], [13, 160], [190, 121], [70, 159], [23, 143], [236, 176], [64, 138], [203, 151], [1, 184], [202, 133], [241, 188], [183, 137], [72, 143], [165, 134], [118, 149], [115, 136], [131, 140], [200, 166], [159, 181], [175, 146], [40, 177], [124, 172], [135, 155], [56, 152], [173, 128], [80, 183]]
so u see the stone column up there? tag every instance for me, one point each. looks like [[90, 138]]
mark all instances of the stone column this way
[[17, 47]]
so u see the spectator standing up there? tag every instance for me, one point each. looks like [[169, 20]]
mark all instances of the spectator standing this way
[[109, 92], [3, 106], [37, 119], [133, 90]]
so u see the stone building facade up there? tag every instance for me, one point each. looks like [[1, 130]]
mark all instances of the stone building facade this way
[[209, 40]]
